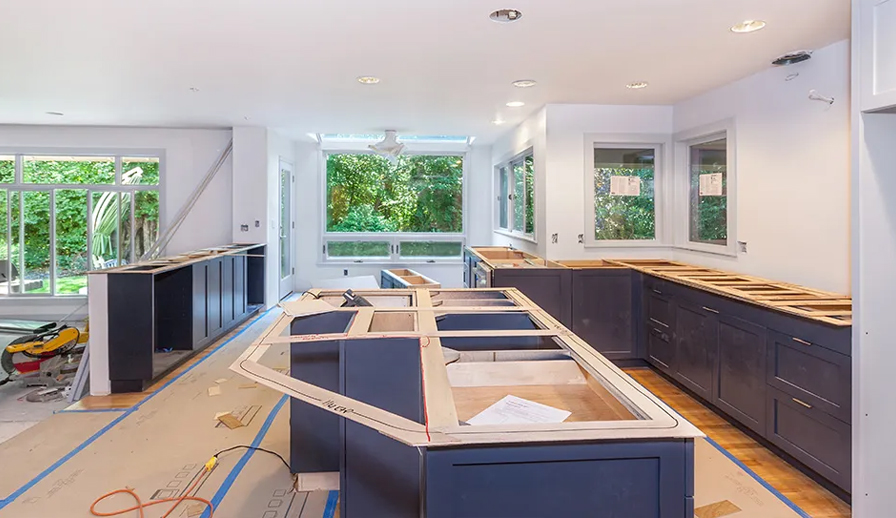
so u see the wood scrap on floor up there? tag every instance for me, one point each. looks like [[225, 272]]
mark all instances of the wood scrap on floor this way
[[214, 391], [230, 420]]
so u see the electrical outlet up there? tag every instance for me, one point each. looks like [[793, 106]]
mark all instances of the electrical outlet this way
[[345, 272], [581, 239], [742, 246], [554, 238], [244, 228], [257, 224]]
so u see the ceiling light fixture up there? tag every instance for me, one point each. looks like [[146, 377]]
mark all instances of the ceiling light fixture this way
[[58, 114], [515, 104], [748, 26], [637, 85], [497, 122], [194, 89], [506, 15], [368, 80], [524, 83]]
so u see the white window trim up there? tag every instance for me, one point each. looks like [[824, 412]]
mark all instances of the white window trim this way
[[662, 144], [683, 140], [496, 226], [394, 238], [117, 154]]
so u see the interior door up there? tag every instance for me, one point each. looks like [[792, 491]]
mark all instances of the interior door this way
[[287, 229]]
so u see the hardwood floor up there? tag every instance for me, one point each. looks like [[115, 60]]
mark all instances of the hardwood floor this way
[[800, 489]]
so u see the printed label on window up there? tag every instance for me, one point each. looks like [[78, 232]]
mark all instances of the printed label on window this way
[[711, 184], [625, 186]]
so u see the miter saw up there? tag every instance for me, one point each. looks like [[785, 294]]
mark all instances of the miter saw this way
[[49, 358]]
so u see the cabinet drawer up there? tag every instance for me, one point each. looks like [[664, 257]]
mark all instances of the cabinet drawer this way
[[813, 437], [815, 375], [660, 310]]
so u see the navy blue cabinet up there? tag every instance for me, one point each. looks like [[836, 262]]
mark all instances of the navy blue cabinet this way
[[602, 311], [741, 384], [697, 344], [549, 288], [659, 322]]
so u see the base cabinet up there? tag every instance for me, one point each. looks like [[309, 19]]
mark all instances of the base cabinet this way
[[741, 387], [602, 311]]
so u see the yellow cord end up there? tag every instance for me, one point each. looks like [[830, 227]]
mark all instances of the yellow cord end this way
[[211, 463]]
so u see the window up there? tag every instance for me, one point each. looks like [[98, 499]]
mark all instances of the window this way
[[622, 187], [708, 208], [407, 209], [61, 216], [516, 196]]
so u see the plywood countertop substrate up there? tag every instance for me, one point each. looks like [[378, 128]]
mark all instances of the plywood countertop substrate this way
[[822, 306]]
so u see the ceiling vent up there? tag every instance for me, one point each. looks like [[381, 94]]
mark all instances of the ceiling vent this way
[[389, 147], [792, 58]]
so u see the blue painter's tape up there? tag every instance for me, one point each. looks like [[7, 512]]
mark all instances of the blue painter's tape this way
[[18, 492], [91, 411], [330, 509], [759, 479], [235, 471], [125, 413]]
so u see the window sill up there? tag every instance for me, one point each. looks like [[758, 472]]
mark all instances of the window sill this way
[[515, 235], [391, 264], [720, 250], [626, 244]]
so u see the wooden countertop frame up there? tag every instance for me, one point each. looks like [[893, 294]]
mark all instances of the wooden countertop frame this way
[[442, 429], [822, 306], [166, 264]]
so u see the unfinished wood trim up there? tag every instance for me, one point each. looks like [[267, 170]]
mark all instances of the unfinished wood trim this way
[[166, 264], [438, 398], [361, 323]]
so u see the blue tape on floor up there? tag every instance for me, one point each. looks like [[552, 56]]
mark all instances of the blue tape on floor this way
[[126, 412], [235, 472], [757, 478], [330, 509]]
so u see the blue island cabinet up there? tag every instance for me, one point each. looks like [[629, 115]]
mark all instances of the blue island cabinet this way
[[598, 480]]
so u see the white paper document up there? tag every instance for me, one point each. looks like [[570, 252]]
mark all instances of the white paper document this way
[[625, 186], [514, 410], [711, 184]]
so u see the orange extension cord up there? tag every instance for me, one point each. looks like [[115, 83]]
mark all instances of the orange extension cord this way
[[141, 506]]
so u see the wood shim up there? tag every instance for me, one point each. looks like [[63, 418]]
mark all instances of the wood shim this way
[[655, 419]]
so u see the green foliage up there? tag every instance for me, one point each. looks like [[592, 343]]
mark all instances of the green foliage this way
[[709, 214], [71, 215], [358, 248], [624, 217], [421, 193], [430, 248], [7, 171]]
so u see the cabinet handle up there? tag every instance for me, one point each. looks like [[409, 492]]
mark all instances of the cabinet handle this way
[[711, 310], [658, 322], [799, 402], [797, 340], [658, 292]]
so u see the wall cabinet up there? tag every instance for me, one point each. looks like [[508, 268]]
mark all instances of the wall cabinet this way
[[877, 56], [741, 386], [602, 311]]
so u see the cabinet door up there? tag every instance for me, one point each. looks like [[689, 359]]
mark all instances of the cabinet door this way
[[239, 287], [697, 342], [741, 386], [214, 322], [877, 54], [200, 303], [602, 311], [661, 349], [227, 315], [549, 288]]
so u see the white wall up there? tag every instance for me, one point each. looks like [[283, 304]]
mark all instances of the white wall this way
[[567, 126], [188, 154], [309, 225], [792, 170], [531, 133]]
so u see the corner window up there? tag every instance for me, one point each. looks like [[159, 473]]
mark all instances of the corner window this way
[[61, 216], [708, 208], [624, 194], [409, 208], [516, 196]]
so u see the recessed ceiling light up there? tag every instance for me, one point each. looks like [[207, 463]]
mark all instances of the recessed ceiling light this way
[[58, 114], [524, 83], [497, 122], [368, 80], [515, 104], [194, 89], [748, 26], [637, 85], [506, 15]]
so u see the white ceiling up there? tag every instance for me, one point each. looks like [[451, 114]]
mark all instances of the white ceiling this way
[[445, 67]]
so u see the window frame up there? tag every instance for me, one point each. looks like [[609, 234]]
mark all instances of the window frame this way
[[683, 141], [19, 185], [505, 167], [393, 238], [662, 145]]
